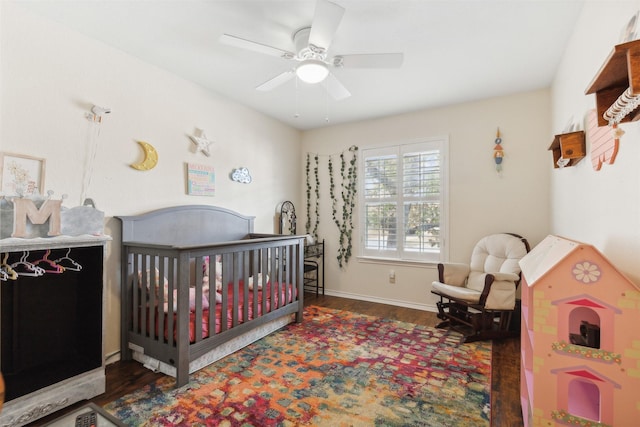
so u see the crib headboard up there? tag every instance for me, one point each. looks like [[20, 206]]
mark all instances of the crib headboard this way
[[186, 226]]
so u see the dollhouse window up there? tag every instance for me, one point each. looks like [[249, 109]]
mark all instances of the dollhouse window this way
[[584, 327], [584, 399]]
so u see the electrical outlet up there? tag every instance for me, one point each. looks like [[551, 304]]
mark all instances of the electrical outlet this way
[[392, 276]]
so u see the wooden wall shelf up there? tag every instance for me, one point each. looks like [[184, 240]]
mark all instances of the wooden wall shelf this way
[[620, 71], [570, 146]]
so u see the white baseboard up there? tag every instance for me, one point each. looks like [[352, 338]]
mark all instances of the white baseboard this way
[[423, 307]]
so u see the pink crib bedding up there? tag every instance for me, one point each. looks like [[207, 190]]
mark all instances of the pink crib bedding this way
[[282, 295]]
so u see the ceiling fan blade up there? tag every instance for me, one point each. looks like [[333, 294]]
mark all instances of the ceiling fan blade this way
[[230, 40], [370, 60], [335, 88], [326, 19], [276, 81]]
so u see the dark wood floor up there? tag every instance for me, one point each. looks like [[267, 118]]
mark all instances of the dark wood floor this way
[[126, 376]]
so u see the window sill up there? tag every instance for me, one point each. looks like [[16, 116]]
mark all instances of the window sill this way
[[393, 261]]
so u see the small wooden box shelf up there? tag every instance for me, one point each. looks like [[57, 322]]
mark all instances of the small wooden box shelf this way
[[570, 146], [621, 71]]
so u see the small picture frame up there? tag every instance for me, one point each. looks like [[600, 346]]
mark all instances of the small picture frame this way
[[21, 175], [201, 180]]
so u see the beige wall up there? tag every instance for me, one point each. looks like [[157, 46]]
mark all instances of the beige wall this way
[[50, 78], [600, 208], [480, 202]]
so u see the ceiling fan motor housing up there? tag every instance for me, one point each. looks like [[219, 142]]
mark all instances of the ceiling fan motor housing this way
[[304, 50]]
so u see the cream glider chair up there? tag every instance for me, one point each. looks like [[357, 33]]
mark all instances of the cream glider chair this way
[[479, 299]]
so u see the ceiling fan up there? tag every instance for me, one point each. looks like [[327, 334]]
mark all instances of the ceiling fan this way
[[311, 46]]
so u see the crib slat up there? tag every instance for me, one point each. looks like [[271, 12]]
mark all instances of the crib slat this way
[[213, 274], [244, 256], [265, 268], [171, 277], [290, 269], [227, 262], [160, 292], [136, 289], [197, 286], [144, 292], [255, 270], [153, 288], [234, 304], [274, 259]]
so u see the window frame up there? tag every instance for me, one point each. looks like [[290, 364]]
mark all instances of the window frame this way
[[440, 143]]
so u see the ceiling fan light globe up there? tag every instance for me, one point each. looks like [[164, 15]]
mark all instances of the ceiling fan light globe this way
[[312, 71]]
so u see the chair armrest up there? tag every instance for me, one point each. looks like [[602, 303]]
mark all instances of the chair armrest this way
[[499, 294], [512, 277], [452, 273]]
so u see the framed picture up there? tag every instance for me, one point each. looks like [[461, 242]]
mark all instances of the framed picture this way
[[21, 175], [201, 180]]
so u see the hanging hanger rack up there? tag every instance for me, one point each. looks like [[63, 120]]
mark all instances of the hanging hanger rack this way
[[7, 272], [25, 268], [67, 263], [47, 265]]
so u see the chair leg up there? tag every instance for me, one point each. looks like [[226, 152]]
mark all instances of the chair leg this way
[[454, 316], [489, 329], [475, 326]]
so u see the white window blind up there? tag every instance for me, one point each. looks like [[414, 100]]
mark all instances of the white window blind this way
[[403, 193]]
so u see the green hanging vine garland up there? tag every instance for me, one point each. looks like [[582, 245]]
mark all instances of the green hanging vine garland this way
[[307, 225], [313, 229], [317, 191], [349, 188]]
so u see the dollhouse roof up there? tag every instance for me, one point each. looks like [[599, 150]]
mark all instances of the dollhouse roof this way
[[549, 253], [544, 256]]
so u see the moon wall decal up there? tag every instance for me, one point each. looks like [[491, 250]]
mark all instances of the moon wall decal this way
[[150, 157]]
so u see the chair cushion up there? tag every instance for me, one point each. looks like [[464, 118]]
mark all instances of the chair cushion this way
[[475, 280], [466, 294], [498, 253]]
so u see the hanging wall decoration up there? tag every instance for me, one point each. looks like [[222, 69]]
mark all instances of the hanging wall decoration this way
[[150, 157], [311, 227], [604, 141], [348, 184], [343, 201], [241, 175], [94, 120], [201, 180], [498, 152], [202, 143]]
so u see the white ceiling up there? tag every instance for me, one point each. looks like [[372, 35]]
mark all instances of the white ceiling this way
[[454, 51]]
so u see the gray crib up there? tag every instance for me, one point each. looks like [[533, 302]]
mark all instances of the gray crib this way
[[199, 284]]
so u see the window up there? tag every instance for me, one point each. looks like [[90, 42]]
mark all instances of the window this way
[[402, 195]]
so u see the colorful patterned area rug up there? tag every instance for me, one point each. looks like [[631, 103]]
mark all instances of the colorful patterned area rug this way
[[337, 368]]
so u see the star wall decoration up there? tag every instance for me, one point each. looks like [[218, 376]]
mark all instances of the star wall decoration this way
[[202, 143]]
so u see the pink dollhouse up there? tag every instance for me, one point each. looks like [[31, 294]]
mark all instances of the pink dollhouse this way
[[580, 361]]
